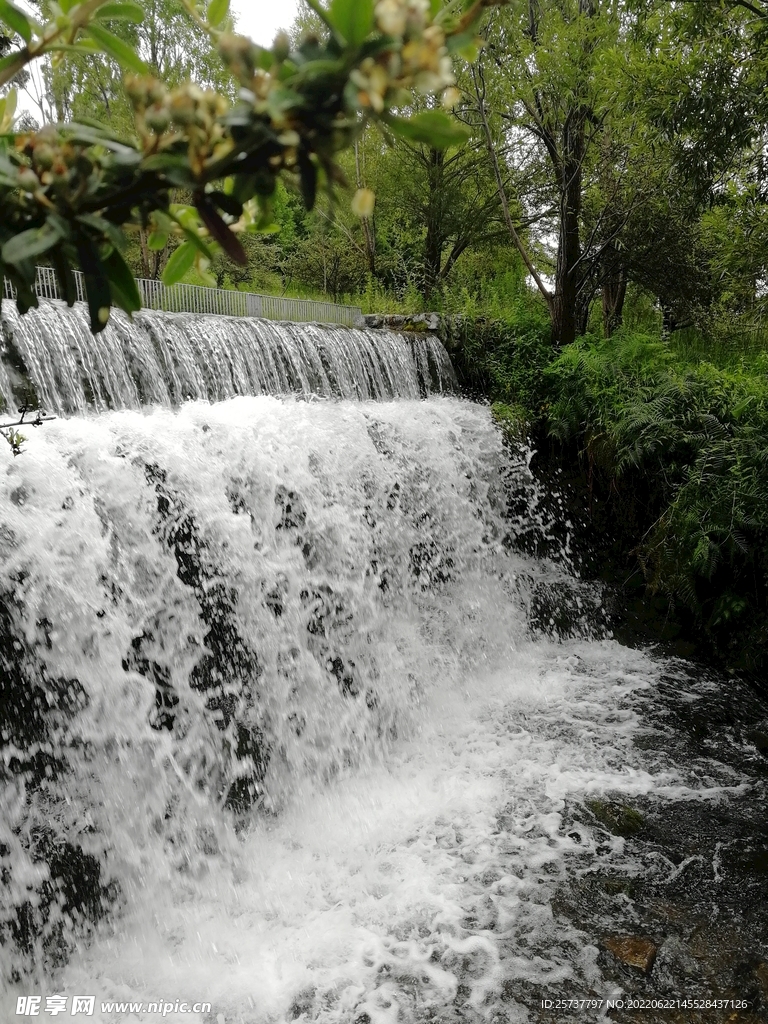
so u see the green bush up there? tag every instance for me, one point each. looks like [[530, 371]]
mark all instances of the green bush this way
[[688, 443], [503, 357]]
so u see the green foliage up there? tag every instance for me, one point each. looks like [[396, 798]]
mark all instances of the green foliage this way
[[517, 361], [503, 356], [619, 819], [691, 441], [727, 344], [432, 127], [15, 439], [66, 192], [353, 19], [513, 420], [179, 264]]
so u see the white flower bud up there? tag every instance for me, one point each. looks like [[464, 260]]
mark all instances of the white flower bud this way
[[363, 202], [391, 17], [289, 138], [445, 70], [427, 82]]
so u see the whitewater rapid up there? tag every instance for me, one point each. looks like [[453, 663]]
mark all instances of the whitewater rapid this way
[[324, 760], [419, 884]]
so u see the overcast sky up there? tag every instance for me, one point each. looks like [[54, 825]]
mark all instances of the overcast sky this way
[[262, 19]]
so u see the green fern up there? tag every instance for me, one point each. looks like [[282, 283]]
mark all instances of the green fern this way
[[696, 438]]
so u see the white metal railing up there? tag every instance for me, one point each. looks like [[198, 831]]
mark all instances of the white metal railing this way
[[193, 298]]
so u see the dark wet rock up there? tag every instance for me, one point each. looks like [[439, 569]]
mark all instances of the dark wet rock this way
[[761, 976], [633, 951], [620, 819], [430, 565], [138, 660], [228, 668], [565, 609], [70, 894], [701, 892], [293, 514], [23, 388], [303, 1003], [483, 916], [759, 736], [275, 597], [616, 885], [675, 965], [326, 611]]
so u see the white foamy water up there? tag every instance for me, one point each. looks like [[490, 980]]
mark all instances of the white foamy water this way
[[169, 358], [322, 763]]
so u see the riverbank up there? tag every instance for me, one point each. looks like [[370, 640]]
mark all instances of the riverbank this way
[[658, 450]]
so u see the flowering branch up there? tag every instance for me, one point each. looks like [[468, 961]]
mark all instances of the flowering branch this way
[[67, 192]]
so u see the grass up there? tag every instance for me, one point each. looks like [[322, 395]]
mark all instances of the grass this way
[[724, 349]]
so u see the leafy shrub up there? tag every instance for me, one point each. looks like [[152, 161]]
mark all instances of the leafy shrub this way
[[689, 444], [503, 358]]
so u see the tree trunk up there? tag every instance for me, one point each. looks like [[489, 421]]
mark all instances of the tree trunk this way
[[144, 249], [369, 233], [583, 310], [435, 239], [566, 152], [563, 311], [565, 300], [614, 293], [480, 90], [668, 321]]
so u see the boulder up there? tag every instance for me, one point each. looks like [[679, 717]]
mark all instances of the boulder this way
[[633, 951]]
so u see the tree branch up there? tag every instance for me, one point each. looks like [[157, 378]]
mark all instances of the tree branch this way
[[477, 74]]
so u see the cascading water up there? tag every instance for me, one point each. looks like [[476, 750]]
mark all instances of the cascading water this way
[[169, 358], [285, 729]]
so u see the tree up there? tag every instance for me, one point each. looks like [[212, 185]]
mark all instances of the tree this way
[[66, 192], [540, 83], [448, 199], [432, 206], [634, 114], [175, 48], [703, 68], [173, 45], [325, 261]]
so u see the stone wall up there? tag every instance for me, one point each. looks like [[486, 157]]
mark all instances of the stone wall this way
[[447, 328]]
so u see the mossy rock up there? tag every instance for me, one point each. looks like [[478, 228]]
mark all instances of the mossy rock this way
[[619, 819]]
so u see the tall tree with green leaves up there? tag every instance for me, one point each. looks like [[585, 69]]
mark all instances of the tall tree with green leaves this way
[[627, 116], [444, 199], [542, 84], [701, 72], [173, 46]]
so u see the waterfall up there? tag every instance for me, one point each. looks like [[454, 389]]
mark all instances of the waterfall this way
[[292, 727], [162, 358]]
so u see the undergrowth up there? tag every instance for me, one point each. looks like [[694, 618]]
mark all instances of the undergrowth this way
[[688, 444], [503, 356]]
